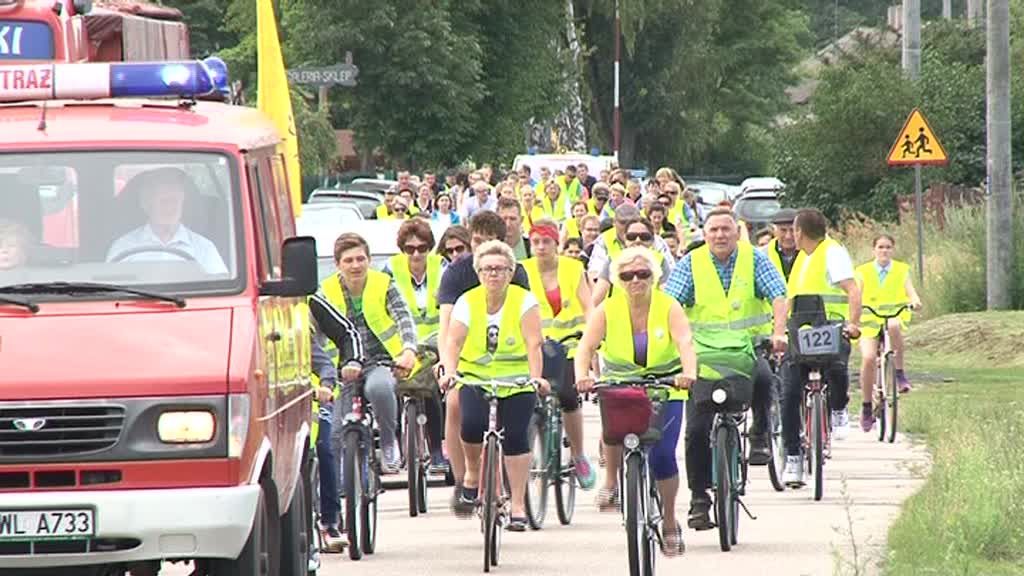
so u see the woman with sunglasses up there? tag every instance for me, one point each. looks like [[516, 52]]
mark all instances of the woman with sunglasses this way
[[657, 343], [640, 234], [417, 274], [558, 283], [495, 333], [454, 243]]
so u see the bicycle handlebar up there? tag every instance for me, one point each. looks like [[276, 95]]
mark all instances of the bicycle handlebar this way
[[574, 336], [887, 316], [652, 382]]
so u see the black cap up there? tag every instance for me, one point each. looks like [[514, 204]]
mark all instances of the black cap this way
[[784, 216]]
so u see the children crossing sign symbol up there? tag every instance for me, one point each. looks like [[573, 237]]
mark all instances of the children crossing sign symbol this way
[[917, 144]]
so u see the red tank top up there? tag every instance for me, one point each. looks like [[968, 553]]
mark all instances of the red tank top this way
[[554, 299]]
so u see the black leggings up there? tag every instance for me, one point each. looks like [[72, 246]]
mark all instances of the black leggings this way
[[514, 415]]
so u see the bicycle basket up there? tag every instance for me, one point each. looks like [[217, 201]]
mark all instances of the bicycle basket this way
[[627, 411], [423, 381], [737, 393]]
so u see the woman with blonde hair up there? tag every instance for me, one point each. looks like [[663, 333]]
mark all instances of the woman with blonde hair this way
[[658, 342]]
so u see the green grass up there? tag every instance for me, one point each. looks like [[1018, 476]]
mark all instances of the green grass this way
[[968, 518]]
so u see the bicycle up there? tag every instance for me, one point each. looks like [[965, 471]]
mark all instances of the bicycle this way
[[637, 424], [494, 490], [729, 399], [414, 392], [551, 463], [886, 407], [775, 444], [362, 475], [816, 346]]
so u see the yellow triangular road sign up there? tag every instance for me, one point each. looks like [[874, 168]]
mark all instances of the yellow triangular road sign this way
[[917, 144]]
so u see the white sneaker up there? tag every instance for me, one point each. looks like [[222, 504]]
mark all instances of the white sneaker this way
[[840, 424], [793, 473]]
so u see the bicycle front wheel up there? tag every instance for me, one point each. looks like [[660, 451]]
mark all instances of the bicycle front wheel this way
[[489, 488], [818, 444], [354, 497], [412, 457], [537, 484], [777, 446], [561, 466], [892, 406], [723, 487], [636, 520]]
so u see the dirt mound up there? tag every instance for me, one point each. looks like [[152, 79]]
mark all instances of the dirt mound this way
[[989, 337]]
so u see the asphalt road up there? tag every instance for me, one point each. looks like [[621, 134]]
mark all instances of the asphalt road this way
[[865, 483]]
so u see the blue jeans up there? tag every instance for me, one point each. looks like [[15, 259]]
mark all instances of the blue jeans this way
[[329, 470]]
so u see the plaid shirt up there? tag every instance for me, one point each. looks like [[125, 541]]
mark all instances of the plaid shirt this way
[[768, 283], [399, 312]]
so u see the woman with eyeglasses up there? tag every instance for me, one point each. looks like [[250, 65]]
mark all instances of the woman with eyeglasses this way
[[454, 243], [444, 212], [417, 275], [639, 234], [658, 342], [495, 333]]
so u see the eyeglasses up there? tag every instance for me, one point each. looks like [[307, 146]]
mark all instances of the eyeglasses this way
[[415, 249], [455, 250], [641, 236], [494, 270], [637, 274]]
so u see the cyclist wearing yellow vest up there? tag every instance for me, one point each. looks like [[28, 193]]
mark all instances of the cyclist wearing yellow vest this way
[[598, 201], [559, 285], [335, 342], [638, 233], [495, 333], [374, 304], [569, 184], [658, 342], [555, 202], [677, 209], [723, 286], [782, 249], [384, 211], [417, 274], [612, 241], [531, 211], [571, 227], [886, 285], [822, 268]]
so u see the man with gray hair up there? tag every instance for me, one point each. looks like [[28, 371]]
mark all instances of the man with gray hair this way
[[481, 198]]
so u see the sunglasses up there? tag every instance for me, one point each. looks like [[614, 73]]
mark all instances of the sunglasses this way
[[415, 249], [641, 236], [455, 250], [637, 274]]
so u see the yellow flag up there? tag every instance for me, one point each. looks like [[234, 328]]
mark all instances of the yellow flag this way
[[273, 98]]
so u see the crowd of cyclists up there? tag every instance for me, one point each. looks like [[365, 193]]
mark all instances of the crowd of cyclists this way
[[566, 256]]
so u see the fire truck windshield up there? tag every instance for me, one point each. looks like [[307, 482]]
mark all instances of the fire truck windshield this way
[[160, 220]]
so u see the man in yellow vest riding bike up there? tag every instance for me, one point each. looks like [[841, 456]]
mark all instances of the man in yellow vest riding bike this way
[[822, 268], [723, 286], [373, 303]]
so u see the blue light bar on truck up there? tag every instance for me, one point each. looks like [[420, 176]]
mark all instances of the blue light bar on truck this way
[[59, 81]]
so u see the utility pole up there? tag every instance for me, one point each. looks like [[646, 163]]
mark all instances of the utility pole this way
[[1000, 177], [947, 9], [617, 114], [912, 38]]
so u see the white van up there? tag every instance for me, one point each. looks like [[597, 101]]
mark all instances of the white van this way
[[556, 162]]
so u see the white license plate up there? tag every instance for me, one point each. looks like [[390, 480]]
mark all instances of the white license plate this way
[[821, 340], [47, 524]]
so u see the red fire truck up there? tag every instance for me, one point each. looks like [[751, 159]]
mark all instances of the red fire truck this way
[[154, 360]]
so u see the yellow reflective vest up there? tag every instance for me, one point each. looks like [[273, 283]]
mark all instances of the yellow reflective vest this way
[[810, 276], [559, 209], [885, 296], [617, 353], [375, 308], [570, 318], [508, 362], [427, 319], [714, 309]]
